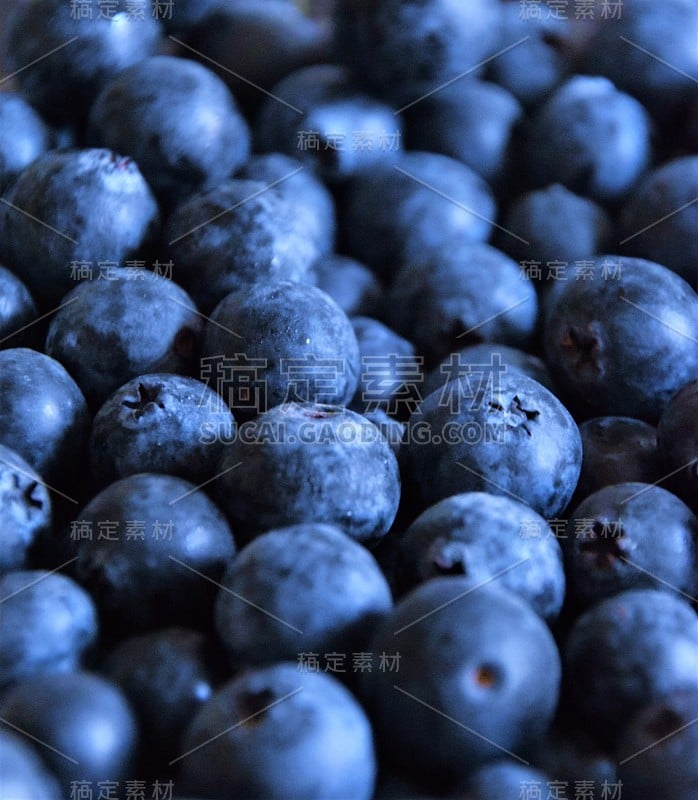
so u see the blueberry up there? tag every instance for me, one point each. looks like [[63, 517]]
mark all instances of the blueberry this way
[[48, 623], [160, 423], [149, 548], [301, 463], [478, 676], [657, 750], [472, 121], [125, 325], [483, 536], [590, 137], [23, 774], [630, 536], [17, 311], [677, 442], [392, 429], [279, 341], [275, 603], [308, 193], [351, 284], [620, 339], [23, 137], [391, 370], [616, 450], [62, 60], [444, 299], [407, 48], [96, 209], [497, 432], [396, 212], [166, 675], [43, 415], [658, 221], [625, 652], [280, 734], [25, 510], [506, 780], [85, 729], [176, 119], [239, 233]]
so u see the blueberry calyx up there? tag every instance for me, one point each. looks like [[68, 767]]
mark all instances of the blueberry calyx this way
[[585, 346], [148, 396], [605, 543]]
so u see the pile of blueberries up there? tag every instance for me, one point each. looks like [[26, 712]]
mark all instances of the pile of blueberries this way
[[349, 400]]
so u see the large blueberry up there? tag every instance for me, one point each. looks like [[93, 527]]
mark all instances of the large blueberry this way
[[485, 537], [621, 337], [475, 674], [238, 233], [130, 323], [276, 342], [497, 432], [160, 423], [176, 119], [47, 624], [25, 510], [626, 652], [302, 589], [630, 536], [149, 549], [70, 213], [280, 734], [304, 462], [43, 415], [23, 774]]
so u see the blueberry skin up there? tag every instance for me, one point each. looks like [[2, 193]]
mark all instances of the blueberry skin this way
[[506, 434], [262, 42], [392, 429], [237, 234], [405, 49], [445, 299], [189, 13], [97, 199], [483, 658], [607, 344], [17, 310], [167, 676], [472, 121], [616, 450], [160, 423], [300, 344], [590, 137], [558, 226], [391, 370], [572, 758], [672, 242], [308, 193], [177, 119], [48, 622], [25, 510], [23, 774], [81, 715], [85, 54], [469, 360], [394, 213], [630, 536], [626, 652], [23, 137], [657, 751], [129, 324], [677, 442], [668, 32], [43, 414], [294, 735], [330, 599], [334, 112], [136, 579], [304, 463], [351, 284], [481, 536], [505, 779]]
